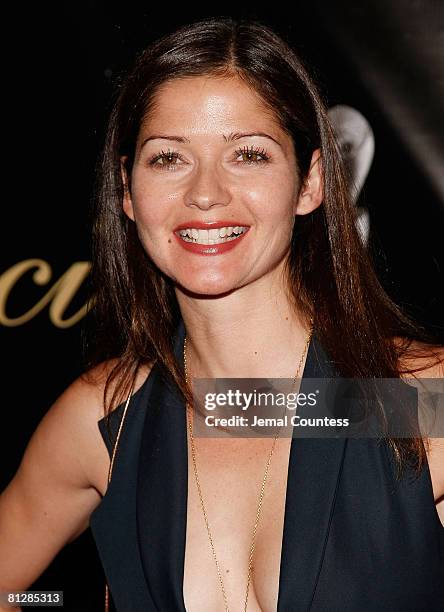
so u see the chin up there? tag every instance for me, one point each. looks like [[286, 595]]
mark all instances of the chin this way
[[205, 288]]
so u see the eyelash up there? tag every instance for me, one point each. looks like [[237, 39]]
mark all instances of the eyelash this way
[[244, 150]]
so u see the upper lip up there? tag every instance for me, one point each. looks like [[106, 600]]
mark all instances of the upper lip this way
[[209, 224]]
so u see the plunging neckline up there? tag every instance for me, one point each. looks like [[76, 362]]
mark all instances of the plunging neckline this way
[[285, 521], [162, 516]]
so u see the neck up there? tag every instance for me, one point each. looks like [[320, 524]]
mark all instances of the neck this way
[[249, 333]]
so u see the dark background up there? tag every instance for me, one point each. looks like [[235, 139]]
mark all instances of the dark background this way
[[385, 58]]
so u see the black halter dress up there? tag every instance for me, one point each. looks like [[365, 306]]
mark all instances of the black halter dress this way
[[354, 538]]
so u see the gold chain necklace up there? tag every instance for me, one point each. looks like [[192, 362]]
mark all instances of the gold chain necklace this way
[[261, 496]]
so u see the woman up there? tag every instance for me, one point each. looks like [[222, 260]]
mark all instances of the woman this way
[[219, 126]]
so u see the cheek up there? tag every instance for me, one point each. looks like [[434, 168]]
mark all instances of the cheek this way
[[273, 202], [151, 208]]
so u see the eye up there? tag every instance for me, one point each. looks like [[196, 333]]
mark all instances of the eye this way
[[168, 159], [251, 154]]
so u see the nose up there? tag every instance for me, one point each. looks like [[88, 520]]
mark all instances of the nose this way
[[207, 188]]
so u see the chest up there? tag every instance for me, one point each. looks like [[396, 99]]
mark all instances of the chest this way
[[231, 476]]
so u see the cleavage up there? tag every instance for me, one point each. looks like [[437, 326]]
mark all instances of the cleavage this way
[[231, 473]]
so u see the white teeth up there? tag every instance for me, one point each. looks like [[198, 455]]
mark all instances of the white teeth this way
[[212, 236], [203, 237]]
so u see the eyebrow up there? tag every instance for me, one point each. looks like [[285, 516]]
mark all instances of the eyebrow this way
[[229, 138]]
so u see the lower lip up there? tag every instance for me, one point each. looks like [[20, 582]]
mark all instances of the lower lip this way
[[210, 249]]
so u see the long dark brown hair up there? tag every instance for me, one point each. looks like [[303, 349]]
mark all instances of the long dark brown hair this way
[[133, 310]]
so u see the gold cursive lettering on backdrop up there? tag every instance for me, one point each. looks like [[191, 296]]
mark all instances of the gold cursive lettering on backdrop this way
[[58, 297]]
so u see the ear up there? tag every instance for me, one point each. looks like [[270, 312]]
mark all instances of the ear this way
[[127, 202], [311, 193]]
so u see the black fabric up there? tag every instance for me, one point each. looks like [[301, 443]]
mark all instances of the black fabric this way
[[354, 538]]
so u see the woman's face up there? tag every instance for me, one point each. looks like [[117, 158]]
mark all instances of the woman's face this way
[[210, 153]]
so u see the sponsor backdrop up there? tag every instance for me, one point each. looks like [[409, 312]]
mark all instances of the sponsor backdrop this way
[[380, 65]]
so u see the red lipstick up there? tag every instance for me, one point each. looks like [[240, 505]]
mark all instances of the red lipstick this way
[[209, 224], [209, 249]]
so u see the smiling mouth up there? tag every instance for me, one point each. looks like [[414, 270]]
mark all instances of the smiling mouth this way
[[211, 236]]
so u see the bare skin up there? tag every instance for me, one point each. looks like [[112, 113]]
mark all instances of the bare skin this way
[[249, 319], [235, 302], [48, 504]]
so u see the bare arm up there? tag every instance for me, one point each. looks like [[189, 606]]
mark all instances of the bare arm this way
[[49, 501]]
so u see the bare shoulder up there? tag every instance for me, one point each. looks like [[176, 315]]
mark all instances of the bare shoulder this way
[[427, 361], [59, 482], [81, 406], [88, 389], [75, 413], [70, 432]]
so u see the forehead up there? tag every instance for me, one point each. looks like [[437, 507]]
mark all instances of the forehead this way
[[209, 103]]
